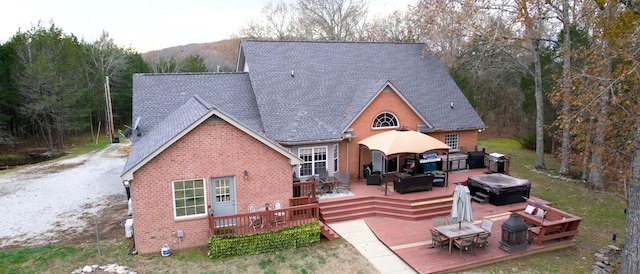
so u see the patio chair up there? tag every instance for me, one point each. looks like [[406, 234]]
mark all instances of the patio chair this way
[[439, 221], [437, 240], [487, 225], [319, 187], [452, 220], [374, 178], [465, 243], [255, 220], [344, 181], [323, 177], [279, 217], [481, 242]]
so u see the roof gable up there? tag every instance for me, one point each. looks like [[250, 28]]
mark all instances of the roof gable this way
[[177, 124]]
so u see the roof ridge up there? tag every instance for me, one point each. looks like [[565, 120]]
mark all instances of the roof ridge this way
[[333, 41], [204, 103], [189, 73]]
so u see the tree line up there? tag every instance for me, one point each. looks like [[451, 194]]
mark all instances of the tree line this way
[[561, 75], [52, 85], [558, 74]]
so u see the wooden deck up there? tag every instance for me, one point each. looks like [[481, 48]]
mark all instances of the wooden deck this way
[[410, 239]]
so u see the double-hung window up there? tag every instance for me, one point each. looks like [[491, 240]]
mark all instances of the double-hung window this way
[[314, 159], [189, 198]]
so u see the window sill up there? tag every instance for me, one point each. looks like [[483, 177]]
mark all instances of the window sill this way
[[190, 218]]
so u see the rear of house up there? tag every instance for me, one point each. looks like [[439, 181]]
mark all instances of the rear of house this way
[[217, 143]]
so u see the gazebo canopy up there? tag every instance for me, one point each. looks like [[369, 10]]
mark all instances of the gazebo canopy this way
[[403, 141]]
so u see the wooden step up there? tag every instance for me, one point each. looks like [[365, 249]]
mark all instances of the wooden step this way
[[357, 208], [327, 232]]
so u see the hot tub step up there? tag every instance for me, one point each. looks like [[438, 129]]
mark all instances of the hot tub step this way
[[481, 197]]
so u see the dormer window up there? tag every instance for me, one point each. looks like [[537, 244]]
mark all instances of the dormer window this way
[[385, 120]]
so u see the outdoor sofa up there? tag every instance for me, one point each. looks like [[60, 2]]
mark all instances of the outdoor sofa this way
[[405, 183]]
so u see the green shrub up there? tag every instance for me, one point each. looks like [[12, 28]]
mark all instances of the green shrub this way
[[264, 242]]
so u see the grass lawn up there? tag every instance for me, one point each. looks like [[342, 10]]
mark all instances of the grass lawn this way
[[602, 215]]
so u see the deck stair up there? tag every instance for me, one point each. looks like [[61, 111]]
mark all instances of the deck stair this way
[[359, 207], [327, 232]]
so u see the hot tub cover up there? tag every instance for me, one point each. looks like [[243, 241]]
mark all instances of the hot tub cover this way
[[498, 182]]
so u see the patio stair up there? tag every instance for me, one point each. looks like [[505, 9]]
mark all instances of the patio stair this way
[[360, 207], [327, 232]]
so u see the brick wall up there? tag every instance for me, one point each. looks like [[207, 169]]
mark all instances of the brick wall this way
[[389, 101], [213, 149]]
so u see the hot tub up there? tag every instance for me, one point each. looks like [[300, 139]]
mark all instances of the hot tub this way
[[502, 189]]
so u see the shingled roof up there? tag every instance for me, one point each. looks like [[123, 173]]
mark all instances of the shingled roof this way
[[296, 92], [157, 95], [179, 122], [308, 91]]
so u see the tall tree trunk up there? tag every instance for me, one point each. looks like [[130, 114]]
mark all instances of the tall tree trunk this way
[[586, 155], [539, 106], [565, 166], [630, 260], [595, 175]]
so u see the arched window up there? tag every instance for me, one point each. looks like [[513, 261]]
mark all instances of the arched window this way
[[385, 120]]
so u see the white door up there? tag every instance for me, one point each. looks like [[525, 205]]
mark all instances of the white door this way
[[223, 196]]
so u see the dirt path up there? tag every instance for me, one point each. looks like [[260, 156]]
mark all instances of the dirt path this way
[[62, 200]]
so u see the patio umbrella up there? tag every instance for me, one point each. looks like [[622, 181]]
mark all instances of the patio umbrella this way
[[461, 208], [403, 141]]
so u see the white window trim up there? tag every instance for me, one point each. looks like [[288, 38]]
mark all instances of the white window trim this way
[[336, 158], [313, 162], [173, 201], [385, 112]]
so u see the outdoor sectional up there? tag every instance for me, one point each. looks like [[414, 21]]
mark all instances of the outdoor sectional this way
[[405, 183]]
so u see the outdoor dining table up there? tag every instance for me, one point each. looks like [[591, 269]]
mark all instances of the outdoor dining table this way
[[457, 230], [331, 181]]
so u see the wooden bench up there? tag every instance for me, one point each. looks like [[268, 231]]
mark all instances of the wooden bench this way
[[556, 224]]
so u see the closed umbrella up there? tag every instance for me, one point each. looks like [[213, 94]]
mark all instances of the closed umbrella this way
[[461, 208]]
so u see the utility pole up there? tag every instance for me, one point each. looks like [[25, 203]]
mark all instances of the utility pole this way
[[107, 95]]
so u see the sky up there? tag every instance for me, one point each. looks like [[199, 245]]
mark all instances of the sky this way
[[146, 25]]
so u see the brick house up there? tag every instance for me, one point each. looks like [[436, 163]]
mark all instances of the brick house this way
[[231, 140]]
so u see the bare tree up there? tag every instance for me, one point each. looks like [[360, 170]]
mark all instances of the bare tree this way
[[105, 59], [335, 20], [277, 22]]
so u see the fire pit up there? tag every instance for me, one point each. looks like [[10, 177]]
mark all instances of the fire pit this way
[[514, 234]]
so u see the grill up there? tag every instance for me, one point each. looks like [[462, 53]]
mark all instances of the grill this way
[[514, 234]]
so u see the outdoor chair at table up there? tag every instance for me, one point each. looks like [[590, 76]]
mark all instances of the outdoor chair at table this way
[[487, 225], [458, 231], [437, 240], [464, 243], [452, 220], [481, 242], [439, 221], [343, 183], [319, 185], [323, 177]]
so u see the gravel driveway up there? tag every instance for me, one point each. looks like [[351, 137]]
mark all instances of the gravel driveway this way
[[61, 201]]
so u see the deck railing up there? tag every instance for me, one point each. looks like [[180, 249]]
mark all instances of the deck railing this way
[[264, 220], [301, 189]]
